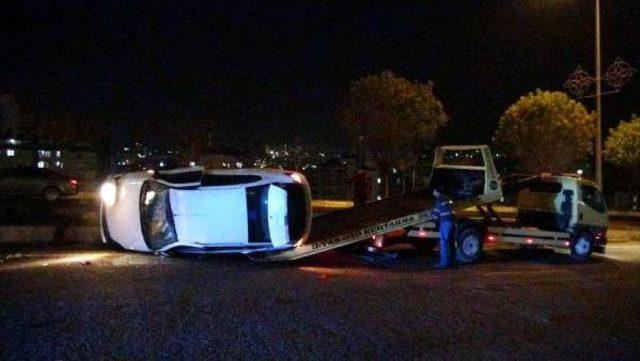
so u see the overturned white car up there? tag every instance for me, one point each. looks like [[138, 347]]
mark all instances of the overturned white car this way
[[191, 210]]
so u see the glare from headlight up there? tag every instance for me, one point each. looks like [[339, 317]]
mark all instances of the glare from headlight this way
[[108, 193]]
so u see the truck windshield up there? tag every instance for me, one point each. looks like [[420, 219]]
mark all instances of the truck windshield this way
[[592, 197]]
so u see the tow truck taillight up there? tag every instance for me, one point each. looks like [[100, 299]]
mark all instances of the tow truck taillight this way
[[422, 233], [491, 237], [73, 182], [378, 241]]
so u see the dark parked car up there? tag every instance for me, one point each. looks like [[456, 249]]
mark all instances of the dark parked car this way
[[35, 182]]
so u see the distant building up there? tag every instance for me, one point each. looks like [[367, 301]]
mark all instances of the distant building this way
[[77, 162]]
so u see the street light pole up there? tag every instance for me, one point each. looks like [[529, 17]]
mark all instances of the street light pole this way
[[598, 100]]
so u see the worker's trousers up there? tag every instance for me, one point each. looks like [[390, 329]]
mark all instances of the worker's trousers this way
[[446, 233]]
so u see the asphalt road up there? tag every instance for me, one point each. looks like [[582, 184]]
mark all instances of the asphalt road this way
[[79, 303]]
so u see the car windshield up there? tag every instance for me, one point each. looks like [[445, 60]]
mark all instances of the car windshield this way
[[156, 218]]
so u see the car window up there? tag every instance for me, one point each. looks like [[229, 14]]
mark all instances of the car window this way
[[182, 177], [592, 197], [258, 213], [51, 174], [228, 179]]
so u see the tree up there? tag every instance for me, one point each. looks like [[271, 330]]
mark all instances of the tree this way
[[545, 131], [623, 145], [391, 118]]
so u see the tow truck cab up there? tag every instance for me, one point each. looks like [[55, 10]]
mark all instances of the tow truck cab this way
[[564, 203]]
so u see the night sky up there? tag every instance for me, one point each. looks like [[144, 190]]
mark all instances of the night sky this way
[[272, 71]]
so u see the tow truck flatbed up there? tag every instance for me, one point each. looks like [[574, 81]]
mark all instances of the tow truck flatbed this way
[[342, 228]]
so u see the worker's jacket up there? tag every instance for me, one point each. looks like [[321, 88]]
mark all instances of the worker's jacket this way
[[443, 212]]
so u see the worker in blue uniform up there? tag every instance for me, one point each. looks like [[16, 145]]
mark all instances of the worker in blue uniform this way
[[443, 214]]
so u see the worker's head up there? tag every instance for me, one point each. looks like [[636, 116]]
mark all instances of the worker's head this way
[[437, 191]]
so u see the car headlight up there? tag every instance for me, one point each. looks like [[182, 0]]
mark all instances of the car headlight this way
[[108, 192]]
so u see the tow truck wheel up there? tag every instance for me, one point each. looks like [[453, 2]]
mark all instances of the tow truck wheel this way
[[582, 246], [469, 245]]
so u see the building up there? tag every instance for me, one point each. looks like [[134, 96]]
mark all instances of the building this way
[[80, 163]]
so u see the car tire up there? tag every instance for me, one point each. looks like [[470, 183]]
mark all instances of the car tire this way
[[582, 246], [51, 194], [469, 245], [104, 230]]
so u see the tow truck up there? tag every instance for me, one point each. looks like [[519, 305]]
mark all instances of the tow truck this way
[[553, 210], [560, 211]]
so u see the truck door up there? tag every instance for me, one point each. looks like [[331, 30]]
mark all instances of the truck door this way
[[592, 208]]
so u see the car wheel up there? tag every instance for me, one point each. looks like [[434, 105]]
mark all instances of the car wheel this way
[[51, 194], [104, 230], [469, 245], [582, 246]]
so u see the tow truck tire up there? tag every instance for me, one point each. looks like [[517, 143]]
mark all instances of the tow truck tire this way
[[469, 245], [582, 246]]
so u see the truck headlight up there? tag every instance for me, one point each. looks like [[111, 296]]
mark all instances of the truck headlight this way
[[108, 192]]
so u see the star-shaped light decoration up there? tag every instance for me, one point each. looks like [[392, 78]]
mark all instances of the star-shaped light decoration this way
[[579, 81], [619, 74]]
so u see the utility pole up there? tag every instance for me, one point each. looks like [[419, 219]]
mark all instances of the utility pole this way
[[616, 76], [598, 100]]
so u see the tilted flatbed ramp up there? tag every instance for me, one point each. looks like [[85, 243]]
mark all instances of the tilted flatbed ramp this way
[[342, 228], [467, 184]]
